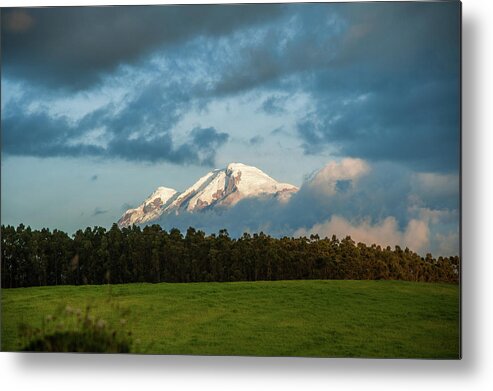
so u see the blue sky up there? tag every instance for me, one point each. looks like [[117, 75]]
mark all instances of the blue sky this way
[[358, 104]]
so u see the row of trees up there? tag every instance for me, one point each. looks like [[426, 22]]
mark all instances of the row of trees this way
[[98, 256]]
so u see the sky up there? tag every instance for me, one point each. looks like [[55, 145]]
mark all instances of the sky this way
[[357, 104]]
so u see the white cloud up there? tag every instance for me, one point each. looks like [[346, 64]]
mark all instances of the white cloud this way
[[436, 184], [448, 244], [434, 216], [385, 233], [325, 180], [416, 236]]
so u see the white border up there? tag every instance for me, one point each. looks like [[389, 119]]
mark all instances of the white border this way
[[474, 372]]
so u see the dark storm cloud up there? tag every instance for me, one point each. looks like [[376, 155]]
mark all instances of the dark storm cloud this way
[[394, 35], [392, 92], [205, 141], [138, 129], [359, 41], [159, 148], [72, 47], [201, 149], [38, 134], [403, 57], [153, 108], [417, 124], [383, 78], [307, 43], [206, 138]]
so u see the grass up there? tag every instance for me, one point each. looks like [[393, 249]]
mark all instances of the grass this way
[[283, 318]]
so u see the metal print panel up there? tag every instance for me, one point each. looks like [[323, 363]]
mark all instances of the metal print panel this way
[[263, 179]]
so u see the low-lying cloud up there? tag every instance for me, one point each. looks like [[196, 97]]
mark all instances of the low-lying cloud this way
[[338, 176], [385, 233], [358, 209]]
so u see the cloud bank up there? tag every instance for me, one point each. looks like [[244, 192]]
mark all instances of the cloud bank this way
[[107, 133], [38, 43], [385, 233], [320, 207], [382, 78]]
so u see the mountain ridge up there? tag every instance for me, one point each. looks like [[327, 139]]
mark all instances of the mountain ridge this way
[[218, 188]]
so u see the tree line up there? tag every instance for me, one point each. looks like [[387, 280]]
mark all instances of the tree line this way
[[99, 256]]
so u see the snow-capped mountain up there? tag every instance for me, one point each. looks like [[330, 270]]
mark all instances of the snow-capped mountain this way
[[150, 209], [218, 188]]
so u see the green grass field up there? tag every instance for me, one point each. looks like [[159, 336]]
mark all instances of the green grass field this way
[[283, 318]]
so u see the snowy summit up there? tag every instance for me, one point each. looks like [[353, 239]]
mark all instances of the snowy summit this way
[[218, 188]]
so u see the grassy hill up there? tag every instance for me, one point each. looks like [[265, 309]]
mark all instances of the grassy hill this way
[[283, 318]]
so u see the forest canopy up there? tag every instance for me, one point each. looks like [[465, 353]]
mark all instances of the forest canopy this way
[[99, 256]]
